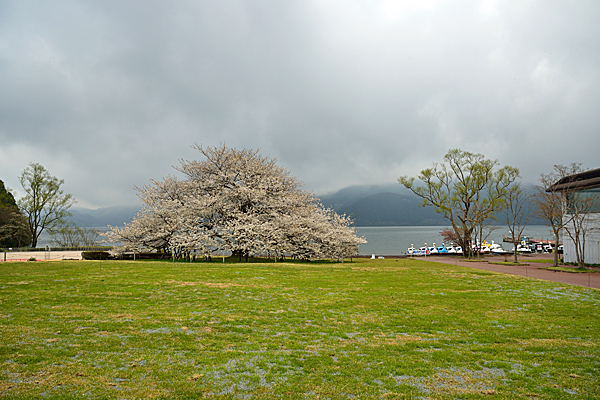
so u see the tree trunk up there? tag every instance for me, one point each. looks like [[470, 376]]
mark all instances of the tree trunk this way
[[555, 249]]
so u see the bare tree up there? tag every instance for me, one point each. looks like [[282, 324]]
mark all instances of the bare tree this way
[[89, 237], [579, 213], [552, 204], [70, 235], [65, 236], [450, 236], [518, 214]]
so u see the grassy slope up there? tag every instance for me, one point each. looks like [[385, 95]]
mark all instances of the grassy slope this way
[[368, 329]]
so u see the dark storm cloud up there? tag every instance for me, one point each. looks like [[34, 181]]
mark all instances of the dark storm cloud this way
[[110, 94]]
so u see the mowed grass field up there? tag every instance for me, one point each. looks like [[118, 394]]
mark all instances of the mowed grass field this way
[[369, 329]]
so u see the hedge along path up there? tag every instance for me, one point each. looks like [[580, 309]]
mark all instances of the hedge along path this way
[[367, 329]]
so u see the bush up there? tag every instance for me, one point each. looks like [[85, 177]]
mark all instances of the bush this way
[[96, 255], [32, 259]]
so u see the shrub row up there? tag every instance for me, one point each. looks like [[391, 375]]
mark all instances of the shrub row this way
[[96, 255], [144, 256], [105, 255]]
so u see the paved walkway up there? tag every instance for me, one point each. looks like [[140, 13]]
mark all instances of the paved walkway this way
[[532, 270], [41, 255]]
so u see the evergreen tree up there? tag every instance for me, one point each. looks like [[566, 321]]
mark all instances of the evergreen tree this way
[[14, 231]]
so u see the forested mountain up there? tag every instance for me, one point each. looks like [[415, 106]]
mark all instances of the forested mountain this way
[[391, 205], [386, 205], [114, 216], [382, 205], [370, 205]]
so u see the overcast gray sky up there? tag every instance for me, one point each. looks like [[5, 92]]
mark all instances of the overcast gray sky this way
[[109, 94]]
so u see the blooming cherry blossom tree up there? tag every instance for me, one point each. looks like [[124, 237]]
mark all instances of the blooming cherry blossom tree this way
[[238, 201]]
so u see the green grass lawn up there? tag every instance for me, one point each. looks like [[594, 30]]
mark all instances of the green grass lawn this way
[[371, 329]]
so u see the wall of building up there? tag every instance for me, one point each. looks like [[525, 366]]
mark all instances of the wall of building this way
[[592, 241]]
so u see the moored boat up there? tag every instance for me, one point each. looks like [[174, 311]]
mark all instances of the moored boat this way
[[451, 249], [522, 249], [442, 249], [495, 248], [432, 249], [421, 251]]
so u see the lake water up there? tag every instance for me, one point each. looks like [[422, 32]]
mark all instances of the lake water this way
[[46, 240], [395, 240]]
